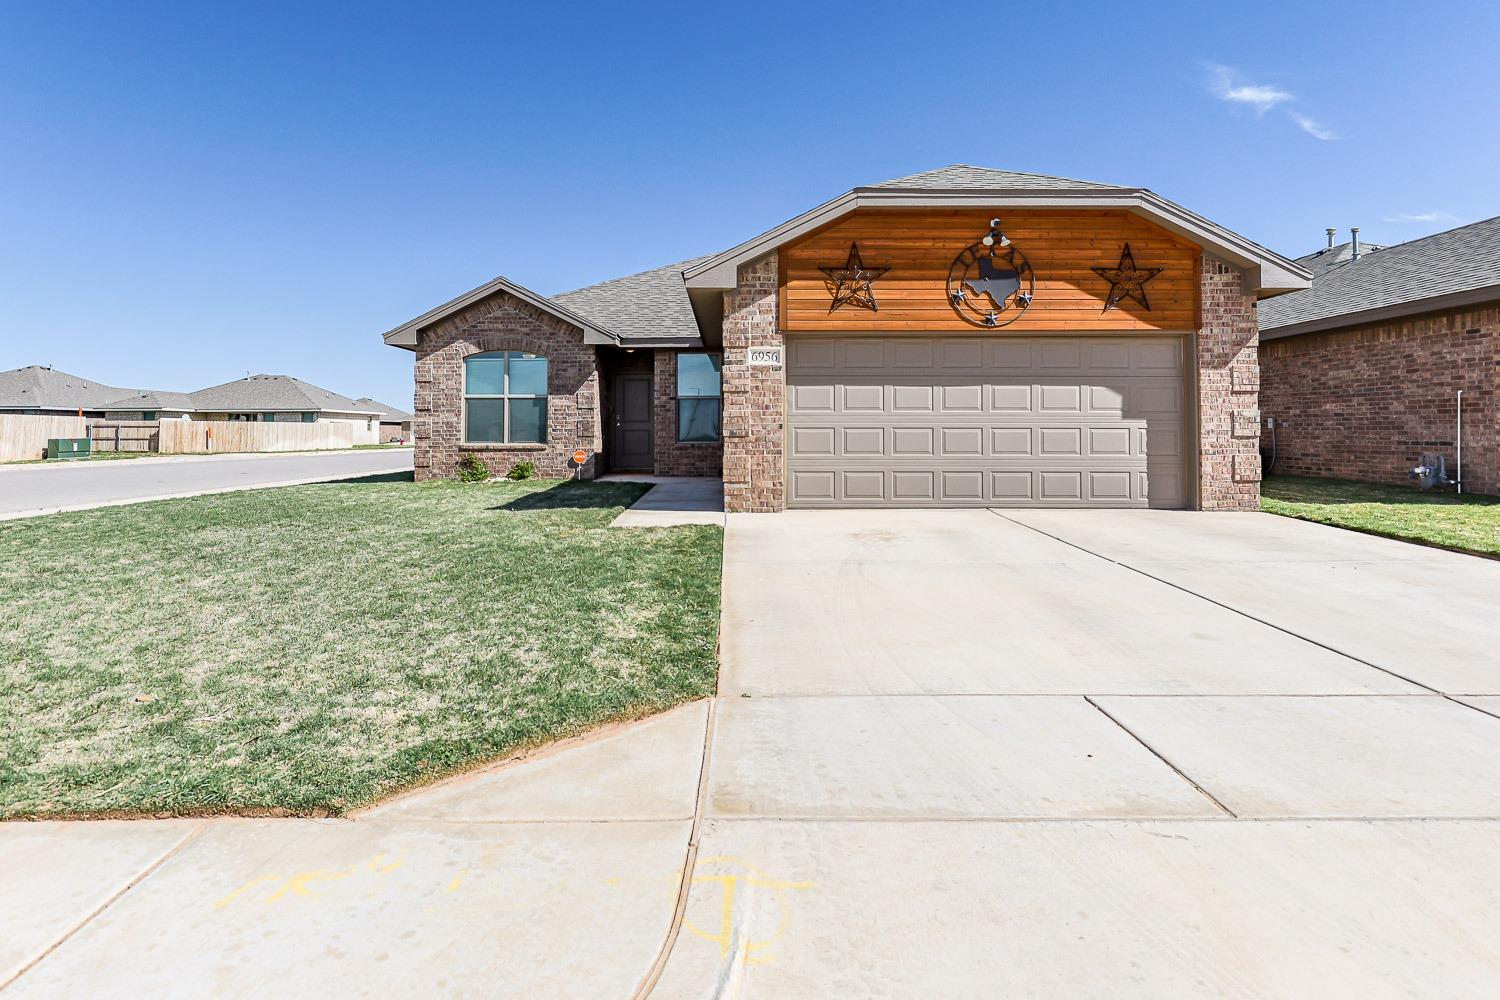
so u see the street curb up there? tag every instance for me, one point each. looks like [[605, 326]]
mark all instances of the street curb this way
[[132, 463]]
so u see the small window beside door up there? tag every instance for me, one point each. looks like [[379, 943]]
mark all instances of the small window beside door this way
[[699, 406], [505, 398]]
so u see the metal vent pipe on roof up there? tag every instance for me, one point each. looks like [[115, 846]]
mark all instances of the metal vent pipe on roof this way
[[1331, 233], [1354, 243]]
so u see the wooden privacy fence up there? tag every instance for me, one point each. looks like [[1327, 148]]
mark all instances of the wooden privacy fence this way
[[178, 437], [123, 435], [25, 435]]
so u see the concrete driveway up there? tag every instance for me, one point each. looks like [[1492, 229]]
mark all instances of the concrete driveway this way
[[953, 754], [29, 490]]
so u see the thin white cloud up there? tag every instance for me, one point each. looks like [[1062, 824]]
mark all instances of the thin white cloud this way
[[1226, 85], [1421, 217], [1312, 127]]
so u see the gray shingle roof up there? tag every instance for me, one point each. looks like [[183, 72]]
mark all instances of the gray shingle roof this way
[[1462, 260], [961, 177], [153, 400], [273, 392], [38, 387], [652, 304], [1331, 257], [389, 414]]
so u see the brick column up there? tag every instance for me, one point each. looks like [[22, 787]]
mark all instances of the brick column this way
[[754, 398], [1228, 392]]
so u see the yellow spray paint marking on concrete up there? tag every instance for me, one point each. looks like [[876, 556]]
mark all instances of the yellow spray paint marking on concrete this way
[[740, 885], [297, 885]]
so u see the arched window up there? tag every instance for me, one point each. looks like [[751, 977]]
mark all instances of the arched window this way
[[505, 398]]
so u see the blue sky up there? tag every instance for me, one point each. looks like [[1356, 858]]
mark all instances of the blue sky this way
[[189, 192]]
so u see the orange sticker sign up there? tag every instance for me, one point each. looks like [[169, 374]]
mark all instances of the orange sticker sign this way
[[579, 457]]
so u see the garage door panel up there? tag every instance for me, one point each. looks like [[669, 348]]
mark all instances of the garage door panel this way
[[1010, 441], [811, 398], [913, 398], [862, 354], [961, 441], [1062, 441], [810, 442], [864, 485], [1070, 422], [962, 398], [863, 441], [913, 442], [1010, 398]]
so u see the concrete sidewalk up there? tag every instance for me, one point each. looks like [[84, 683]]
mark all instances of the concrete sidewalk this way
[[555, 877]]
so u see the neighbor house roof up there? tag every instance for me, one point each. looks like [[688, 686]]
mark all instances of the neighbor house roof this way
[[388, 414], [40, 387], [650, 306], [256, 393], [1443, 271], [961, 185], [153, 400], [1331, 257]]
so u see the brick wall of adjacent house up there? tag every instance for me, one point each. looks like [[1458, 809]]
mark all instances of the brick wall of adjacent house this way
[[674, 457], [505, 323], [1228, 389], [1366, 402], [754, 398]]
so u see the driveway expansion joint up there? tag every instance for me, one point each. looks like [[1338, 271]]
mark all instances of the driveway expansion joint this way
[[1226, 607], [115, 897]]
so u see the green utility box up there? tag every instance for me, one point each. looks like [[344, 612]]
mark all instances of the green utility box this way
[[69, 447]]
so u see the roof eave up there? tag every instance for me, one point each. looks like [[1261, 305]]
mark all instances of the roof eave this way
[[1416, 307], [407, 333], [1268, 273]]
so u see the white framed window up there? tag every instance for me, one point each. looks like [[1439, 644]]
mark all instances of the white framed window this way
[[505, 398], [699, 391]]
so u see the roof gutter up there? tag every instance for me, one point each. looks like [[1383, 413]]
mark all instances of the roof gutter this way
[[1416, 307]]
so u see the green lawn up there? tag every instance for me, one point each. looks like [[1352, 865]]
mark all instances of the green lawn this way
[[1469, 522], [312, 648]]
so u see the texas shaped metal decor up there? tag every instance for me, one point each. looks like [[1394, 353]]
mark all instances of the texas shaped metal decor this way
[[991, 283]]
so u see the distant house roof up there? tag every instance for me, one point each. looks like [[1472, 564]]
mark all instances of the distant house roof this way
[[153, 400], [37, 387], [1443, 271], [652, 305], [388, 414], [260, 393]]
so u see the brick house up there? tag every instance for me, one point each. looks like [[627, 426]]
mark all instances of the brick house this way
[[961, 337], [1361, 371]]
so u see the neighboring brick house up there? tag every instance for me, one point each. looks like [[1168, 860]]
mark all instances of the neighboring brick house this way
[[1361, 372], [961, 337]]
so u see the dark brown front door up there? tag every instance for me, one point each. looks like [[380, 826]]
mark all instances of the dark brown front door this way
[[631, 443]]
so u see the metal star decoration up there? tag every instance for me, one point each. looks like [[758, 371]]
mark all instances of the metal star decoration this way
[[851, 283], [1126, 281]]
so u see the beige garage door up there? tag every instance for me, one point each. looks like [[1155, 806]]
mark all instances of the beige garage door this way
[[986, 421]]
